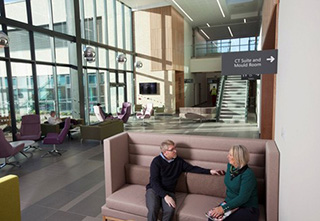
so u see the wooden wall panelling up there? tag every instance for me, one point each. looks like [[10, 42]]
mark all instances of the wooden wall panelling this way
[[267, 14], [268, 83]]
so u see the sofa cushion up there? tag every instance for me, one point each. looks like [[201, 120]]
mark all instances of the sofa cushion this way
[[195, 206], [136, 174], [206, 185], [131, 199]]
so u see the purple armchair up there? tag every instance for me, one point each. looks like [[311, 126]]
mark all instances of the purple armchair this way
[[145, 113], [99, 113], [55, 138], [125, 112], [7, 151], [30, 128]]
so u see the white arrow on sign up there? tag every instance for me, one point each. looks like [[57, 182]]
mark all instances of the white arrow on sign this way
[[271, 59]]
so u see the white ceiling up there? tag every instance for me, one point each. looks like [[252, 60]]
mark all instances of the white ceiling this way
[[207, 11]]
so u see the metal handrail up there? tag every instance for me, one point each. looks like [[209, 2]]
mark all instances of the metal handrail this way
[[247, 101], [220, 97]]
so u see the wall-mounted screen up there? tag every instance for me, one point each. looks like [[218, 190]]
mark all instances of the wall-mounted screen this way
[[148, 88]]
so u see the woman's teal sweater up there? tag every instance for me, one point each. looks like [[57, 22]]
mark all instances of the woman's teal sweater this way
[[241, 190]]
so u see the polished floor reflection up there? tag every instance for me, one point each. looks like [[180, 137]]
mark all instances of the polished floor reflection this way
[[71, 187]]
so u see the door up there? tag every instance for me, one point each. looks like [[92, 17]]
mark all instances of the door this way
[[179, 89], [118, 92]]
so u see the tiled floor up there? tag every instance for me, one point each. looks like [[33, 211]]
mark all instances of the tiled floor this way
[[71, 187]]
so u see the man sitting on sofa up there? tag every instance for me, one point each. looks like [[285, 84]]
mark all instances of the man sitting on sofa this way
[[165, 170]]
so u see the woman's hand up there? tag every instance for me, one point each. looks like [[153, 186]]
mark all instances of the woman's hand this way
[[217, 212]]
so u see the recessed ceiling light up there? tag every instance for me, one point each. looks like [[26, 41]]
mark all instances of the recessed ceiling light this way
[[204, 33], [182, 10], [208, 25], [230, 31], [245, 20], [220, 8]]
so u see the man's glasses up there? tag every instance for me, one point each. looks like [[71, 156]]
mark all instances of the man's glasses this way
[[172, 150]]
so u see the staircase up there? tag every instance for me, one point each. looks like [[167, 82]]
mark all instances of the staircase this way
[[234, 104]]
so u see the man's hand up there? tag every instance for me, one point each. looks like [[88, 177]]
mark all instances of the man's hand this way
[[217, 172], [170, 201]]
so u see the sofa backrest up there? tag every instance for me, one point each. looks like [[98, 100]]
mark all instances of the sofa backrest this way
[[204, 151], [136, 174]]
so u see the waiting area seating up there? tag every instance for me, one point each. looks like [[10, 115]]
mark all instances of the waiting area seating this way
[[55, 138], [128, 157], [197, 113], [101, 130], [30, 128], [145, 113], [7, 151], [124, 114], [55, 128], [10, 198]]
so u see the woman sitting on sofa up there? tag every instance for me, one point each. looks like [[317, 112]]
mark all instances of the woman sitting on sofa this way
[[241, 183]]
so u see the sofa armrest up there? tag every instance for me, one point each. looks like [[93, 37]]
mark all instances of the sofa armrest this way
[[10, 198], [272, 180], [116, 156]]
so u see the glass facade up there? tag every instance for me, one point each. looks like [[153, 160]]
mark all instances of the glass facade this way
[[43, 66]]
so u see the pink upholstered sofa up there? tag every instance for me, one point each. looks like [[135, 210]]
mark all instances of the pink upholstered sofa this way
[[127, 157]]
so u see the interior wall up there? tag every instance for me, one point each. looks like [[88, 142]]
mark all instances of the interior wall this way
[[188, 87], [201, 79], [212, 64], [159, 44], [144, 74], [198, 39], [297, 109]]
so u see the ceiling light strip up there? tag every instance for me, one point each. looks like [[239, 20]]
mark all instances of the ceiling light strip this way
[[204, 33], [230, 31], [245, 20], [208, 25], [220, 8], [182, 10]]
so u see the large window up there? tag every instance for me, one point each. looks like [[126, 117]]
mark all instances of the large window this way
[[63, 16], [19, 43], [4, 93], [49, 60], [43, 47], [46, 90], [22, 89], [41, 10], [64, 91], [16, 10]]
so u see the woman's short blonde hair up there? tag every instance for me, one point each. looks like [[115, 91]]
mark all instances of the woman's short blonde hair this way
[[240, 154]]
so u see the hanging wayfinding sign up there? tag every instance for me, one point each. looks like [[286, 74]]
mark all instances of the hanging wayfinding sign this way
[[250, 62]]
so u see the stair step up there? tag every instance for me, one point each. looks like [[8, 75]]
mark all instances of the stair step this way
[[236, 96], [233, 106], [235, 87], [235, 81], [226, 116], [237, 110], [234, 100], [232, 114], [233, 109], [233, 120]]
